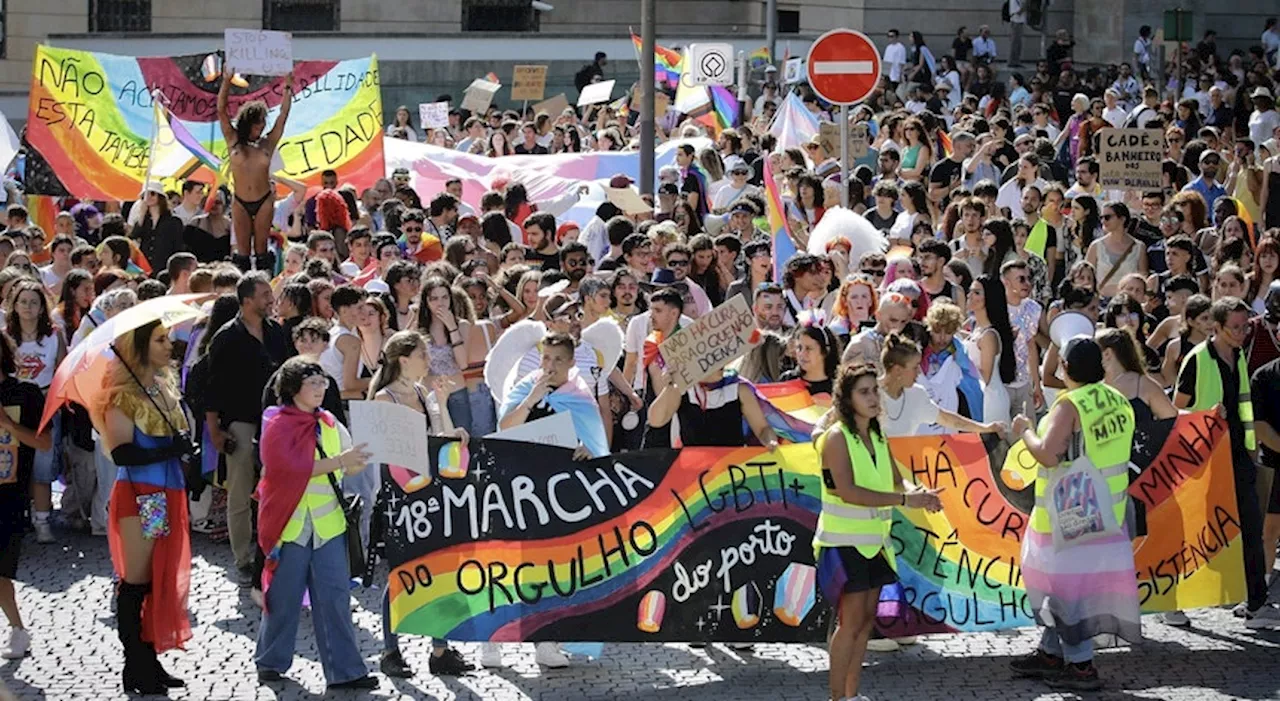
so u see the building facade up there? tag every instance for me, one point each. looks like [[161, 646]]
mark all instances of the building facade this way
[[429, 48]]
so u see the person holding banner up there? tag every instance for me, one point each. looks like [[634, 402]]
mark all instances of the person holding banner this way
[[401, 371], [250, 153], [860, 484], [908, 408], [1079, 581]]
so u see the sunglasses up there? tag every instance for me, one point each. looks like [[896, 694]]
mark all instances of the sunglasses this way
[[1108, 217], [874, 272], [677, 263], [411, 229]]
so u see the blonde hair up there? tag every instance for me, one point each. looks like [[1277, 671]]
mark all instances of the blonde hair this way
[[130, 367], [944, 318]]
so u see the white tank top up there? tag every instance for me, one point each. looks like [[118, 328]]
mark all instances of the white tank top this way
[[331, 358], [37, 360]]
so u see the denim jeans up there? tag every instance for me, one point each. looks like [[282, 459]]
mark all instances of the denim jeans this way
[[102, 491], [1075, 654], [484, 416], [323, 572], [459, 405]]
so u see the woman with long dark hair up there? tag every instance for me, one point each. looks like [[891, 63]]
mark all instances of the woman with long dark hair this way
[[1083, 225], [990, 344], [997, 236], [146, 432], [159, 234], [817, 355], [74, 302], [40, 349], [447, 328], [860, 480], [399, 380]]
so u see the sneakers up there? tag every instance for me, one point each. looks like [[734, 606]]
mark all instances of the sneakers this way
[[1076, 677], [907, 640], [1038, 664], [1175, 618], [883, 645], [244, 577], [448, 664], [549, 655], [393, 665], [1265, 618], [19, 644], [269, 676], [1240, 610], [490, 655], [255, 595], [44, 533]]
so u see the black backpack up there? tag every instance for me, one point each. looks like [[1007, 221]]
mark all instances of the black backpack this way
[[1004, 12]]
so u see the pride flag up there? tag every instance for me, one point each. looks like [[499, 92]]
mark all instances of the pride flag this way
[[92, 119], [759, 58], [779, 232], [789, 408], [666, 63]]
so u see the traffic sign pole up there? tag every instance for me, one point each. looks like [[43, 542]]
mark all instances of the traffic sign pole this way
[[844, 156]]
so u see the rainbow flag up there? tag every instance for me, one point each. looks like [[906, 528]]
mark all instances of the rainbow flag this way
[[779, 232], [91, 119], [666, 63], [42, 210], [789, 408], [759, 58]]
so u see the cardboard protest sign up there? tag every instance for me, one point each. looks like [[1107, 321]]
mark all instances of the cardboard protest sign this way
[[661, 102], [394, 433], [596, 93], [859, 140], [433, 115], [258, 52], [479, 95], [793, 71], [555, 430], [710, 342], [628, 200], [529, 82], [519, 543], [91, 116], [1129, 159], [554, 106], [829, 136]]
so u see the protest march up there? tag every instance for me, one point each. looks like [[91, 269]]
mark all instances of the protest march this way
[[969, 351]]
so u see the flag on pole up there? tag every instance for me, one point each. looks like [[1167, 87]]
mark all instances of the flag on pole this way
[[794, 124], [759, 58], [779, 232], [666, 62]]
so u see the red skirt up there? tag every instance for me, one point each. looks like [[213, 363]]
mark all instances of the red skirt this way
[[165, 622]]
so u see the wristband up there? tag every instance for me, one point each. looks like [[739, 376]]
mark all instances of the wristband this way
[[904, 499]]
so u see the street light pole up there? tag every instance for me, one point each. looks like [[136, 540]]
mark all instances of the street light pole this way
[[647, 88], [771, 27]]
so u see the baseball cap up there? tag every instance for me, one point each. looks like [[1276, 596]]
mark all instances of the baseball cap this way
[[1083, 357]]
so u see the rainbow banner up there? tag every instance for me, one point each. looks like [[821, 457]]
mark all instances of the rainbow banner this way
[[91, 119], [516, 542], [779, 229]]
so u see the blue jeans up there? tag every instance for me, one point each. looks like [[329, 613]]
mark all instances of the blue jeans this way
[[323, 571], [459, 405], [391, 641], [1075, 654], [484, 416]]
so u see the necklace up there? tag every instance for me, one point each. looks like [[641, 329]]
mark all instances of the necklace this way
[[902, 397]]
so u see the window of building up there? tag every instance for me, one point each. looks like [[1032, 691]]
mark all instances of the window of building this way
[[499, 16], [788, 21], [300, 15], [119, 15]]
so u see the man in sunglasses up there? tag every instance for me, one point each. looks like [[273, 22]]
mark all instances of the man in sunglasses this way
[[575, 263], [678, 257]]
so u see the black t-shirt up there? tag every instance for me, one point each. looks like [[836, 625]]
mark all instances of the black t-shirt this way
[[1266, 403], [814, 388], [541, 411], [944, 172], [547, 261], [537, 149], [961, 48], [14, 495], [883, 224]]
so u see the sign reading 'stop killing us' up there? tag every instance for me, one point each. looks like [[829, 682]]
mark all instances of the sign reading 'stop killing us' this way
[[1129, 159]]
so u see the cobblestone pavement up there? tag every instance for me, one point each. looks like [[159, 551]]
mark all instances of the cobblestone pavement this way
[[65, 599]]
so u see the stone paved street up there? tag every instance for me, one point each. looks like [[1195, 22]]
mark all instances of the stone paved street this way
[[65, 599]]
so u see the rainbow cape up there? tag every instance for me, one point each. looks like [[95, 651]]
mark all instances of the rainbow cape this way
[[789, 408], [575, 397]]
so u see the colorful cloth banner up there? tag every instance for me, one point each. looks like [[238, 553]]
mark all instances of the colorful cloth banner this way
[[91, 119], [544, 177], [516, 542]]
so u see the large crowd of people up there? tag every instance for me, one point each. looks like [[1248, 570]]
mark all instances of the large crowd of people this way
[[985, 191]]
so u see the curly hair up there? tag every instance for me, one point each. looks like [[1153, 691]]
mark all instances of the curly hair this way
[[249, 114], [331, 211]]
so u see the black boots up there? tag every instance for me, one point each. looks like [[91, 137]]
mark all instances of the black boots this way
[[244, 263], [143, 673], [265, 263]]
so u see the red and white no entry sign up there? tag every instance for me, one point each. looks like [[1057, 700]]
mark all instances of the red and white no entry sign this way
[[844, 66]]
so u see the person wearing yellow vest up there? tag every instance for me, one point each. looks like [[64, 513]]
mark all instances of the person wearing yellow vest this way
[[1216, 372], [1042, 237], [861, 484], [303, 531], [1080, 590]]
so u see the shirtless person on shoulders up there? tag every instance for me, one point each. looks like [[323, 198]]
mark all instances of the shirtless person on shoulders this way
[[250, 151]]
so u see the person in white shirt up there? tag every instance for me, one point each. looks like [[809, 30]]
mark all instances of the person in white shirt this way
[[770, 94], [1142, 51], [1271, 41], [735, 189], [1127, 87], [1017, 23], [905, 407], [1112, 112], [192, 198], [984, 47], [895, 57]]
